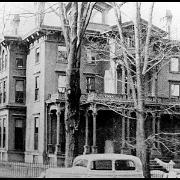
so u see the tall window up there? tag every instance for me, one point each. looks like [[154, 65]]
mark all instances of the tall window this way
[[0, 63], [130, 41], [2, 132], [62, 54], [91, 56], [19, 94], [4, 91], [61, 83], [90, 84], [37, 55], [174, 90], [1, 92], [174, 65], [19, 134], [36, 131], [36, 88], [19, 62]]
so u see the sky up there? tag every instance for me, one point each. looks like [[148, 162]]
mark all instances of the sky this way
[[26, 11]]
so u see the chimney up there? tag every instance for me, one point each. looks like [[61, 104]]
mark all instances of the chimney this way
[[39, 11], [15, 24], [168, 22]]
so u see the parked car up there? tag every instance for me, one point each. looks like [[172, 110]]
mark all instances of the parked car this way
[[99, 166]]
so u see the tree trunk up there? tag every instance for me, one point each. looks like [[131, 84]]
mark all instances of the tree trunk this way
[[141, 149], [70, 144], [73, 95]]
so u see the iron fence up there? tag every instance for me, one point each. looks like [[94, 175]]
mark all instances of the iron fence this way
[[26, 170]]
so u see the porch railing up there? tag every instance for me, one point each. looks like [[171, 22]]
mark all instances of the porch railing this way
[[117, 98]]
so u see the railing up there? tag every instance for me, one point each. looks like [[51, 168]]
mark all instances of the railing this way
[[22, 170], [118, 98]]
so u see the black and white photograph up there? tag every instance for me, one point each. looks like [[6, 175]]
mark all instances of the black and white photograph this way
[[89, 90]]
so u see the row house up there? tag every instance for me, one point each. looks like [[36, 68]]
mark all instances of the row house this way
[[32, 86]]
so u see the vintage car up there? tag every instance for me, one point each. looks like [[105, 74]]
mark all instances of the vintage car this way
[[99, 166]]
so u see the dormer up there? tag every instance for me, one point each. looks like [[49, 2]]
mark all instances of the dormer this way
[[100, 12]]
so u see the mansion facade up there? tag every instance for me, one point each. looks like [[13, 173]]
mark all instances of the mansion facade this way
[[32, 85]]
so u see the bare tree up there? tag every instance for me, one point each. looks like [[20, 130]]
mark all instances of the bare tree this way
[[143, 62], [75, 19]]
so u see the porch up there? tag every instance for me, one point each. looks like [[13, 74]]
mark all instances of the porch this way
[[100, 112]]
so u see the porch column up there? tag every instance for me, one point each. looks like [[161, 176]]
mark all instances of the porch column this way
[[58, 145], [123, 80], [86, 146], [154, 123], [2, 129], [94, 114], [158, 129], [123, 133], [128, 125], [49, 131]]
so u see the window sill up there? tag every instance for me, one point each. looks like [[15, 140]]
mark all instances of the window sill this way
[[92, 64], [37, 63], [175, 72], [35, 101], [21, 68]]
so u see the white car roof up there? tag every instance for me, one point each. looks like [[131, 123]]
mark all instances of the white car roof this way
[[107, 156], [111, 156]]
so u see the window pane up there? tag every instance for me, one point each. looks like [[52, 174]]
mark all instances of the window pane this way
[[124, 165], [90, 84], [61, 81], [19, 123], [102, 165], [175, 64], [37, 82], [19, 62], [37, 54], [174, 90], [81, 162], [36, 129], [19, 85], [19, 134]]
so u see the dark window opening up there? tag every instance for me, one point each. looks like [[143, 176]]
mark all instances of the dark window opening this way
[[19, 94], [19, 145], [124, 165], [36, 88], [102, 165], [36, 131], [37, 55], [90, 82], [19, 62]]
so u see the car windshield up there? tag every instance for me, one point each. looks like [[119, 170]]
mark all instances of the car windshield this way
[[81, 163], [124, 165], [102, 165]]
